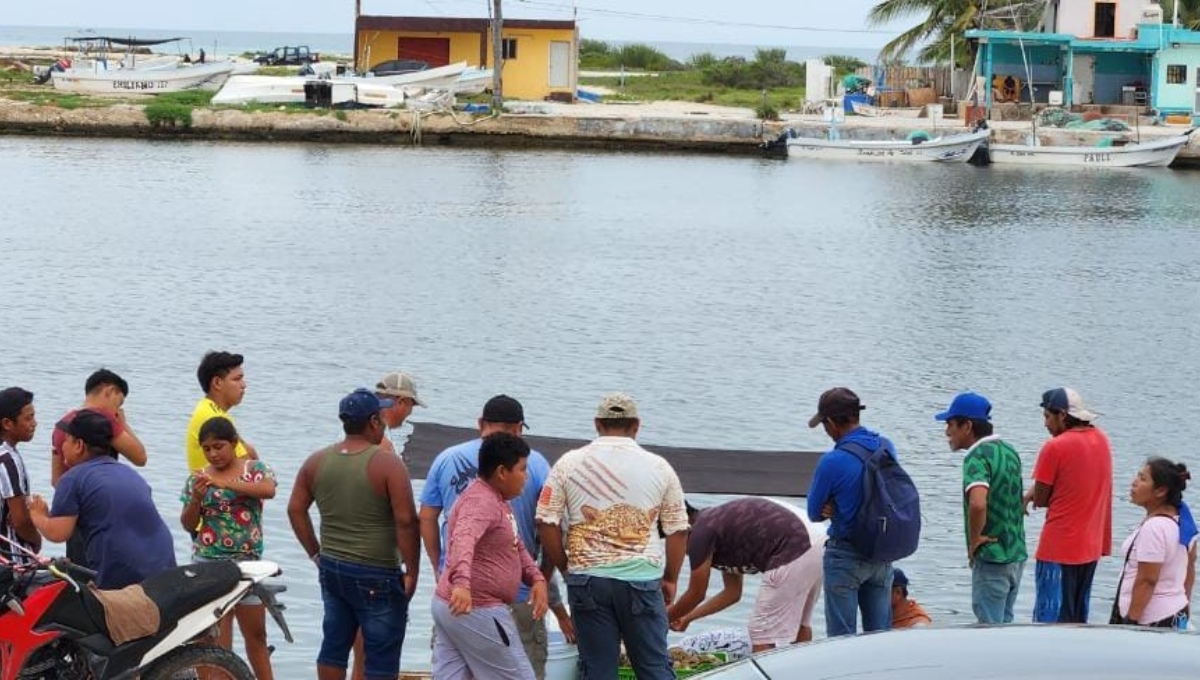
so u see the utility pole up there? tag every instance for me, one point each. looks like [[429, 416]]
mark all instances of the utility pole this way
[[497, 57]]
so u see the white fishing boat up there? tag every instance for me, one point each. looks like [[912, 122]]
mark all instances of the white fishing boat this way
[[473, 81], [438, 77], [1157, 153], [143, 81], [96, 68], [948, 149], [385, 91], [240, 90]]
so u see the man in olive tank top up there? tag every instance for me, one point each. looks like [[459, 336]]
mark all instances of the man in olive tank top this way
[[364, 497]]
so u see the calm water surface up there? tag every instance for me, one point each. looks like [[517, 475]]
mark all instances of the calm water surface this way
[[724, 293]]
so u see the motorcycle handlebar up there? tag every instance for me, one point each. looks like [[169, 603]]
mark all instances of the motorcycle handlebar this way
[[73, 569]]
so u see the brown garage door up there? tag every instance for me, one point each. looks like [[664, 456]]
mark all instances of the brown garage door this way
[[432, 51]]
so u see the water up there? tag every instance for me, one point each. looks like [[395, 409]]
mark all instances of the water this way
[[724, 293], [219, 43]]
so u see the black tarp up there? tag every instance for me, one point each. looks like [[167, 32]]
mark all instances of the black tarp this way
[[124, 42], [749, 473]]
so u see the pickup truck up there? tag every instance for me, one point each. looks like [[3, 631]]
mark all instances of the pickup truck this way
[[288, 56]]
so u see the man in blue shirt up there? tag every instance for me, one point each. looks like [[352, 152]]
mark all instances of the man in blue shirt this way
[[452, 471], [852, 583], [125, 539]]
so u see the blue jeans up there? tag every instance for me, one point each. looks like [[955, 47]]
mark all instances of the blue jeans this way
[[1062, 592], [359, 596], [607, 611], [994, 590], [853, 584]]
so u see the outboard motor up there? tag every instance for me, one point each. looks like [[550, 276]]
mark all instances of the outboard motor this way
[[777, 148], [982, 156]]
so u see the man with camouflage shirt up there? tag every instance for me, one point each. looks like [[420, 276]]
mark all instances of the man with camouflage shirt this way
[[993, 511]]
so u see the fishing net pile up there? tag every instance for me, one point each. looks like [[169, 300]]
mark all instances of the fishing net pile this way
[[1061, 118]]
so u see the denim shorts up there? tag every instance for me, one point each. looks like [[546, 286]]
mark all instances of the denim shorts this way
[[250, 599], [359, 596]]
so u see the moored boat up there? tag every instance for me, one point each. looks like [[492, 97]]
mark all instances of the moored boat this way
[[948, 149], [1158, 153]]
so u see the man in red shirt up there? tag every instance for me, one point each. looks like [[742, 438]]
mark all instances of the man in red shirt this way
[[1073, 481], [486, 562]]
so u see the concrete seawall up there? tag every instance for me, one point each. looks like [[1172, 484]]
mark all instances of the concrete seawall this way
[[651, 127]]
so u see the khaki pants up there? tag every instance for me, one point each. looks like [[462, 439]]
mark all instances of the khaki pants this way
[[533, 636]]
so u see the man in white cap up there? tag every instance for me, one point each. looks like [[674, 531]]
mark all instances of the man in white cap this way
[[613, 495], [1073, 481], [401, 390]]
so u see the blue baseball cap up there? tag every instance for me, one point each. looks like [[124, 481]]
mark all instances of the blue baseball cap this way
[[899, 580], [361, 404], [967, 405]]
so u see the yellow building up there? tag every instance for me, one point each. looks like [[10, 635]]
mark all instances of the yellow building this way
[[541, 58]]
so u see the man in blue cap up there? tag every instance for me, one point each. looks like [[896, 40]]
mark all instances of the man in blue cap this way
[[364, 496], [1073, 480], [993, 511]]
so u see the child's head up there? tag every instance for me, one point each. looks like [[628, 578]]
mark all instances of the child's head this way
[[218, 440], [502, 463], [17, 419]]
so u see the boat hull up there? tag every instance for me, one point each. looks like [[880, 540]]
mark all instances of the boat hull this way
[[1155, 154], [144, 81], [290, 90], [952, 149]]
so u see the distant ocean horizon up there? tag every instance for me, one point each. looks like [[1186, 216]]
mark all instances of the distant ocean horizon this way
[[219, 43]]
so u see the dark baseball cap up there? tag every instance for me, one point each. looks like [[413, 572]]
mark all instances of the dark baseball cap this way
[[503, 409], [93, 428], [836, 403]]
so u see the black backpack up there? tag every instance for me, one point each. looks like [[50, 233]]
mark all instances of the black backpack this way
[[888, 524]]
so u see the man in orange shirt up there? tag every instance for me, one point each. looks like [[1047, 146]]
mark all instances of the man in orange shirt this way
[[1073, 481], [906, 613]]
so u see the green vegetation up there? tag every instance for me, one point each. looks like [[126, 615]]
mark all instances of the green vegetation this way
[[341, 115], [599, 55], [842, 64], [277, 70], [769, 69], [167, 114], [766, 111], [1189, 12], [729, 81], [174, 109], [43, 97], [944, 20], [688, 86]]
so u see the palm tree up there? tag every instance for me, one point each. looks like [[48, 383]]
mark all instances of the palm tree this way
[[1189, 12], [948, 19]]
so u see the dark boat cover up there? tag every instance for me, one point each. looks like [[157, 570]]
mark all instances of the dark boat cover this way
[[127, 42], [720, 471]]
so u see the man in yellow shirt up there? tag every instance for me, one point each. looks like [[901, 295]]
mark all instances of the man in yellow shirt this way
[[224, 384]]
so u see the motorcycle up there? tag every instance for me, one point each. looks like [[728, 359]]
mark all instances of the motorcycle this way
[[58, 630]]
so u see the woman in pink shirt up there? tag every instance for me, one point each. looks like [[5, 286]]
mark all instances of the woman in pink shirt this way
[[485, 564], [1156, 579]]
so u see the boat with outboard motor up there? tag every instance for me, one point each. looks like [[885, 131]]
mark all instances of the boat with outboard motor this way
[[95, 71]]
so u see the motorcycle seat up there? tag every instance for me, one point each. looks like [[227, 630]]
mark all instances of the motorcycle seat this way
[[182, 590]]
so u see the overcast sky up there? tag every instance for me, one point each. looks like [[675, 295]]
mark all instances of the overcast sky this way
[[751, 22]]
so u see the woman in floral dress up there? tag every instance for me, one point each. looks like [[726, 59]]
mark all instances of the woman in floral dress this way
[[222, 509]]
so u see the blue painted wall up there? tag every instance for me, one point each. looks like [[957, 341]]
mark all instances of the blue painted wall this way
[[1177, 98], [1115, 70]]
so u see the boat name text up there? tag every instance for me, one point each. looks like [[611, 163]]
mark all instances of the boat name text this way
[[139, 84]]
